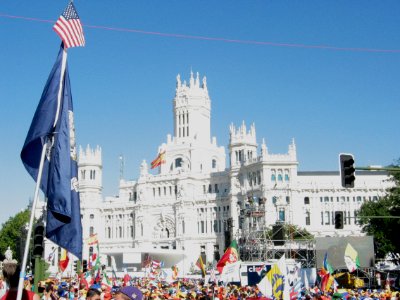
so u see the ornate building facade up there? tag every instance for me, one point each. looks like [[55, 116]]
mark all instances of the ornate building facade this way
[[196, 204]]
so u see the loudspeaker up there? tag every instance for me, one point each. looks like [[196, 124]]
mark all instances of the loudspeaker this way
[[228, 239], [278, 235]]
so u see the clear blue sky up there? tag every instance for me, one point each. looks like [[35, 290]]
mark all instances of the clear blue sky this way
[[123, 82]]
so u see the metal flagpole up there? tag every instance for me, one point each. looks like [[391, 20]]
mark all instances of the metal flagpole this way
[[23, 267], [38, 181]]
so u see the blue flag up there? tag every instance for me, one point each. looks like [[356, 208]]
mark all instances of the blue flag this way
[[53, 125]]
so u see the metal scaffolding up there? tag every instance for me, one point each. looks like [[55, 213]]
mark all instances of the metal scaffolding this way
[[261, 245]]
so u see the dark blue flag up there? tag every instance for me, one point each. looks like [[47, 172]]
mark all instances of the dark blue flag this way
[[53, 124]]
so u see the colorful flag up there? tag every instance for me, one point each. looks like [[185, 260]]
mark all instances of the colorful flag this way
[[64, 260], [92, 240], [231, 255], [160, 159], [200, 265], [69, 27], [327, 265], [326, 280], [351, 258], [53, 126], [175, 271], [274, 284]]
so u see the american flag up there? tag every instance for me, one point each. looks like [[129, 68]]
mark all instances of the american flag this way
[[69, 27]]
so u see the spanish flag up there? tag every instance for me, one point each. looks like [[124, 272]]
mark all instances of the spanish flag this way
[[160, 159], [64, 260]]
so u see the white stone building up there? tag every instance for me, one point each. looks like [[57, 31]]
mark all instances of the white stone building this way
[[195, 203]]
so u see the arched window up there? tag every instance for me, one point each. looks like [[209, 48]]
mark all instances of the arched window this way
[[280, 177], [274, 198], [214, 163], [306, 200], [109, 232], [120, 231], [178, 162]]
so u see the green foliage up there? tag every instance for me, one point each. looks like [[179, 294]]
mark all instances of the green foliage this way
[[384, 230], [293, 232], [11, 233]]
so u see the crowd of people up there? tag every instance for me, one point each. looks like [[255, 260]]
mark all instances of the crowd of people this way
[[145, 288]]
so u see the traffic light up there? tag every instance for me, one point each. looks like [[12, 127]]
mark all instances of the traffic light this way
[[76, 266], [38, 240], [84, 265], [347, 170], [338, 220]]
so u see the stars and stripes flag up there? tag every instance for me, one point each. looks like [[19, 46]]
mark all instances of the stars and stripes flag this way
[[69, 27]]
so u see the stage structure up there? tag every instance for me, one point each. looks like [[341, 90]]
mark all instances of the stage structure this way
[[258, 242]]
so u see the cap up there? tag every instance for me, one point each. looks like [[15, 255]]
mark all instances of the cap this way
[[132, 292]]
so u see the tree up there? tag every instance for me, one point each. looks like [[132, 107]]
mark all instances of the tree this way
[[12, 234], [385, 229], [293, 232]]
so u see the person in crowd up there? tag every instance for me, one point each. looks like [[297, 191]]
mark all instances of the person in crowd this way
[[11, 272], [93, 294]]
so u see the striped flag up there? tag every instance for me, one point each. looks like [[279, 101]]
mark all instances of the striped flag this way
[[64, 260], [200, 265], [69, 27], [160, 159]]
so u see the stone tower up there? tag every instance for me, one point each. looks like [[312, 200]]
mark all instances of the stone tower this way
[[90, 173], [242, 145], [192, 108]]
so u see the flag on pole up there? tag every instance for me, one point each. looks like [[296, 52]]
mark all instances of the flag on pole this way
[[327, 265], [200, 265], [351, 258], [64, 260], [69, 27], [175, 271], [92, 240], [160, 159], [231, 255], [53, 125]]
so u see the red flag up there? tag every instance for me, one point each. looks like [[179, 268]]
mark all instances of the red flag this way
[[64, 260], [230, 256], [126, 279], [160, 159]]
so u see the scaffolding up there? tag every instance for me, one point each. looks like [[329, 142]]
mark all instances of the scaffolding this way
[[262, 245]]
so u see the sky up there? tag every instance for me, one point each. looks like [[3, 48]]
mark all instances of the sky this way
[[325, 73]]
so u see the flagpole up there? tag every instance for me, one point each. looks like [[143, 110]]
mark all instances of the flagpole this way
[[37, 187], [28, 240]]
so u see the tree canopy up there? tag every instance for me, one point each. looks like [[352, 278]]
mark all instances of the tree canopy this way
[[384, 227], [11, 233]]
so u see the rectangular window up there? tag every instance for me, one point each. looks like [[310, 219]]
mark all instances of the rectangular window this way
[[308, 220], [216, 188], [327, 218]]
